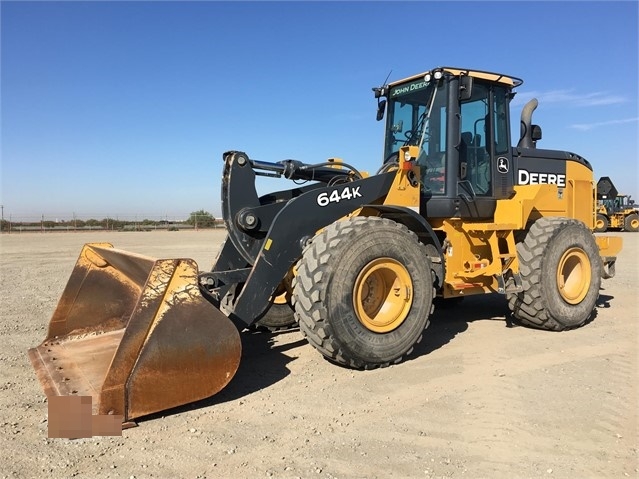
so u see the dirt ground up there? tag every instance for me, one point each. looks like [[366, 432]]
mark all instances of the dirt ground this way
[[479, 398]]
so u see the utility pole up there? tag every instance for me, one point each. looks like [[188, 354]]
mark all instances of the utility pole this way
[[2, 224]]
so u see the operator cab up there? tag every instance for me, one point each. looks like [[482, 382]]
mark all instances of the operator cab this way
[[460, 120]]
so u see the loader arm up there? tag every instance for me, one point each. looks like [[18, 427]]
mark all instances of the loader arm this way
[[266, 235], [248, 217]]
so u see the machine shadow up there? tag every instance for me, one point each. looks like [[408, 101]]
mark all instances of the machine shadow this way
[[262, 364], [452, 317], [603, 301]]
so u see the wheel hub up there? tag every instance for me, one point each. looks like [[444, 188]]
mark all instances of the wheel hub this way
[[382, 295], [574, 275]]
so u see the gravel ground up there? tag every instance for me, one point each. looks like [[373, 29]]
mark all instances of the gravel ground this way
[[478, 398]]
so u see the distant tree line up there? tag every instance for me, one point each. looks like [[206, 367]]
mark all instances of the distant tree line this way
[[196, 220]]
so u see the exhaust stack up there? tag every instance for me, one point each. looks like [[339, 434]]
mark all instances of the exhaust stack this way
[[526, 139]]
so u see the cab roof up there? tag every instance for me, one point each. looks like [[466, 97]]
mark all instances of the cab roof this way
[[508, 80]]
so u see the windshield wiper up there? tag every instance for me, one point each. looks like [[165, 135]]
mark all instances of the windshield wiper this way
[[426, 118], [422, 125]]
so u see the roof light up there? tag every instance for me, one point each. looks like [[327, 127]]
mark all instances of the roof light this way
[[433, 75]]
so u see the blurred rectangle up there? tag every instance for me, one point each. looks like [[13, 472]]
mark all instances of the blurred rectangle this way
[[70, 417]]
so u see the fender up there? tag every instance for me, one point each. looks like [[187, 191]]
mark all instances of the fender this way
[[416, 223]]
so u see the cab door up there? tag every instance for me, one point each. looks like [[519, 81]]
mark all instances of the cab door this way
[[485, 155]]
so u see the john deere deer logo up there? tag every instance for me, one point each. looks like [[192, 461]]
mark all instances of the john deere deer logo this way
[[502, 164]]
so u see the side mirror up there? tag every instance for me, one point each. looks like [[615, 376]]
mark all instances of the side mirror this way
[[381, 107], [465, 87]]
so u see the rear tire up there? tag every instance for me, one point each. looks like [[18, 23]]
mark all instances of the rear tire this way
[[363, 292], [601, 223], [631, 223], [560, 271]]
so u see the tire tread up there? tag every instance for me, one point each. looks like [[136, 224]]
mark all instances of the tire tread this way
[[309, 292], [530, 307]]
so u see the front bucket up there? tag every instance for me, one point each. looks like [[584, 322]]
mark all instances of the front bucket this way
[[135, 334]]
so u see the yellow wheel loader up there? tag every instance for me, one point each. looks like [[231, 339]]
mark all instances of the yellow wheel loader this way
[[615, 211], [354, 259]]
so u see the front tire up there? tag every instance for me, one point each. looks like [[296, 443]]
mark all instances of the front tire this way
[[363, 292], [560, 269]]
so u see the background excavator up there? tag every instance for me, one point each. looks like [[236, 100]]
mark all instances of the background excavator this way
[[354, 259]]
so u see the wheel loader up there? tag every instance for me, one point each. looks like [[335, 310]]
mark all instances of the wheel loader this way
[[615, 211], [354, 259]]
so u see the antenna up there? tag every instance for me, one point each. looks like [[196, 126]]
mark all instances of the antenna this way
[[387, 77]]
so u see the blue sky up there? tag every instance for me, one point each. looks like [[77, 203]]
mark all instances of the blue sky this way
[[125, 108]]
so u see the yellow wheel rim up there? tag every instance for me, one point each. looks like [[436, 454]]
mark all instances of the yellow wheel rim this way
[[281, 299], [383, 295], [634, 223], [574, 275], [599, 224], [284, 291]]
